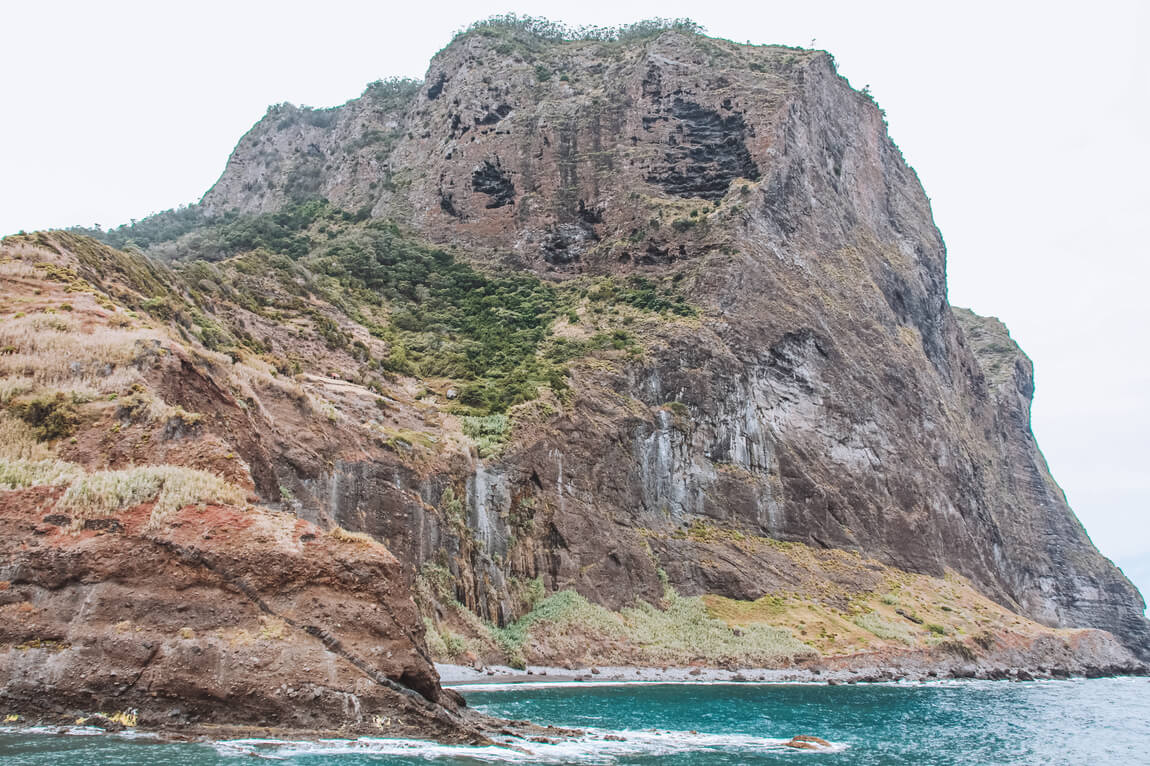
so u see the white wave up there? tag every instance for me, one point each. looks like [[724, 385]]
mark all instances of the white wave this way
[[75, 731], [412, 748], [595, 747]]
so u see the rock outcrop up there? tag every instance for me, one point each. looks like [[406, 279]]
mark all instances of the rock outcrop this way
[[225, 618]]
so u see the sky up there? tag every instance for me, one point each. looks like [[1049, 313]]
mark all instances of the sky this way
[[1028, 124]]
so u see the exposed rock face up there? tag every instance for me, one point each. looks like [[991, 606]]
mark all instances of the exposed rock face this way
[[829, 394], [226, 617], [1056, 583]]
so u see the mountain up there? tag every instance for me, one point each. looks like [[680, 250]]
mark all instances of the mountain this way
[[624, 346]]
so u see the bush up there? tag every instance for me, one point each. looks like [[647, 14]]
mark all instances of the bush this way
[[51, 416], [553, 31], [488, 431]]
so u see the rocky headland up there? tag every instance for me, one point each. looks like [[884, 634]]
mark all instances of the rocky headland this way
[[612, 349]]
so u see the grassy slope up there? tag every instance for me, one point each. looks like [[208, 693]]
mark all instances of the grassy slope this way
[[904, 611]]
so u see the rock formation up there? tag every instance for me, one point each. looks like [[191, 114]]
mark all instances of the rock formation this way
[[722, 305], [831, 394]]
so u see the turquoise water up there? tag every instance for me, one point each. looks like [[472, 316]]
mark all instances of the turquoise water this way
[[1104, 721]]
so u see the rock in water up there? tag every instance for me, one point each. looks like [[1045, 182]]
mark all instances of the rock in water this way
[[807, 742]]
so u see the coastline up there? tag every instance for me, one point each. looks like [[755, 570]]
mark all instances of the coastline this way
[[467, 678]]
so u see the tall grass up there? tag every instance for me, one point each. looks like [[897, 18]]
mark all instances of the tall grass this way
[[681, 633], [103, 493], [57, 351], [18, 473], [488, 431], [18, 440], [884, 629]]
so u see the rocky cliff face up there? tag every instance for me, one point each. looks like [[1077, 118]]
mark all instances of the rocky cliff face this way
[[643, 344], [224, 619], [827, 393]]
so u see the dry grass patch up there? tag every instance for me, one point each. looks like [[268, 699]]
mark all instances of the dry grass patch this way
[[18, 440], [347, 536], [57, 351], [103, 493], [18, 473], [679, 634]]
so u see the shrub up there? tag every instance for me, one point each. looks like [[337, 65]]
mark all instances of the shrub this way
[[488, 431], [50, 416], [532, 27]]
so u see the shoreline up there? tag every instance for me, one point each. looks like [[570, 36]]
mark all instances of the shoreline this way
[[466, 677]]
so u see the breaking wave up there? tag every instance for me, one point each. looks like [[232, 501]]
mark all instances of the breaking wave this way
[[594, 747]]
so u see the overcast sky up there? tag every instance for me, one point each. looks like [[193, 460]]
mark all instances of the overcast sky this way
[[1029, 125]]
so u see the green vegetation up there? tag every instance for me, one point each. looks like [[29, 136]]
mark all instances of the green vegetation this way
[[642, 294], [439, 316], [448, 319], [552, 31], [51, 416], [161, 227], [488, 431], [392, 92]]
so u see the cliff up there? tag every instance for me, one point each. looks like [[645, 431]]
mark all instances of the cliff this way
[[634, 346], [826, 394]]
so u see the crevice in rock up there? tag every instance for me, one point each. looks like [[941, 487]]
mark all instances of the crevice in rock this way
[[707, 152], [491, 179], [435, 89]]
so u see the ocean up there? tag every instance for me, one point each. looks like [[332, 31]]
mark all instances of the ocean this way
[[1101, 721]]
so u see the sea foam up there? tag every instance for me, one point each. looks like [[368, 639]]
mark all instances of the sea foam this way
[[596, 746]]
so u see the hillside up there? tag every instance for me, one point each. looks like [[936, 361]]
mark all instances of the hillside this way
[[621, 350]]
